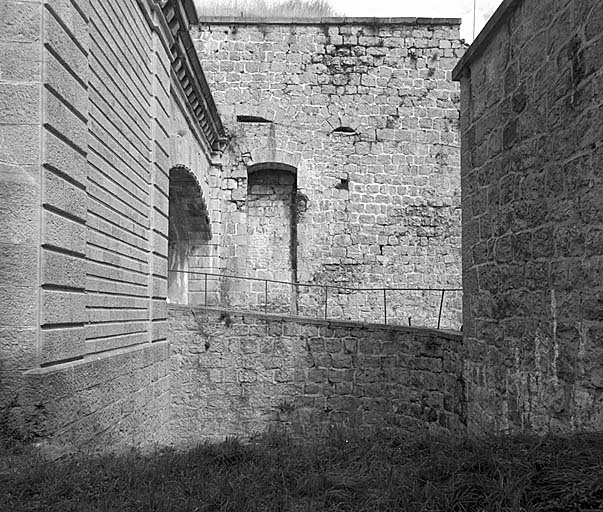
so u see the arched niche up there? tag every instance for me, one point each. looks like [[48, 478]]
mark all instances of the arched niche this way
[[272, 230], [272, 166], [188, 234]]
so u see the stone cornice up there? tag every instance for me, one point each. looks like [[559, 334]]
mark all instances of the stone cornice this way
[[179, 96], [179, 15]]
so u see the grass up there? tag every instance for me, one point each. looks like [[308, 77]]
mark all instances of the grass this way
[[265, 9], [341, 473]]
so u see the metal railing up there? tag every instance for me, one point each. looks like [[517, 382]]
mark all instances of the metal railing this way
[[326, 288]]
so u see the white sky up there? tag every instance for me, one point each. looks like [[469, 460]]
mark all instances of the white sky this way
[[425, 9], [410, 9]]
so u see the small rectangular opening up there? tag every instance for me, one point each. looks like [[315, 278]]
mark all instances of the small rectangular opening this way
[[252, 119]]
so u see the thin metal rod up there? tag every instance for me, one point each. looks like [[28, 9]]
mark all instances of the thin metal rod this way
[[326, 290], [474, 15], [206, 289], [311, 285], [441, 306], [385, 304]]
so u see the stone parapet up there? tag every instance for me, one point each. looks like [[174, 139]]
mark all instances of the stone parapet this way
[[243, 373]]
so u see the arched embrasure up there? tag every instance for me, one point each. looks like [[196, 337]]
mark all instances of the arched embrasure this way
[[275, 166], [188, 232]]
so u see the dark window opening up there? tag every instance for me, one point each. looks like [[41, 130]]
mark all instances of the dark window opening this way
[[252, 119], [344, 184], [345, 130]]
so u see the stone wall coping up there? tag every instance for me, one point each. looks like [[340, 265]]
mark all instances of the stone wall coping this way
[[451, 335], [484, 37], [239, 20]]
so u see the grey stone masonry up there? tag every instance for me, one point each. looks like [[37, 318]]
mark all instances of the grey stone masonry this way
[[240, 374], [93, 111], [365, 113], [532, 180]]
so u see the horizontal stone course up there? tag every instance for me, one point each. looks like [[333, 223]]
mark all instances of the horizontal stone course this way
[[59, 344]]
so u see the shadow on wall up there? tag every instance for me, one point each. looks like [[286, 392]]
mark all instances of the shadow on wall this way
[[271, 231], [189, 233], [270, 248]]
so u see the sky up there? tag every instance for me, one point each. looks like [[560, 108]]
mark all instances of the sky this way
[[423, 9], [463, 9]]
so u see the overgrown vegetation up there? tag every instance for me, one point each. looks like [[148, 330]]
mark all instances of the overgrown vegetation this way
[[341, 473], [264, 8]]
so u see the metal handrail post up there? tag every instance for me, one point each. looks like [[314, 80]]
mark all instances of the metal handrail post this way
[[441, 306], [205, 290], [385, 304], [296, 286]]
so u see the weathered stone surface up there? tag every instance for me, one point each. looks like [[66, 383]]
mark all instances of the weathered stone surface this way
[[19, 103], [92, 124], [75, 166], [239, 374], [21, 62], [60, 344], [367, 118], [114, 401], [20, 117], [20, 21], [532, 216]]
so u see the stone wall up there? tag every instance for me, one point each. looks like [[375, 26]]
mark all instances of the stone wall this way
[[365, 113], [240, 374], [85, 126], [20, 190], [532, 160]]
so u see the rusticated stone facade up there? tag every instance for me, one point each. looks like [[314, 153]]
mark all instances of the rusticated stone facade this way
[[97, 103], [364, 116], [238, 374], [532, 180]]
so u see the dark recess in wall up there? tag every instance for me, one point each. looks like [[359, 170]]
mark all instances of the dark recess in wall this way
[[252, 119]]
